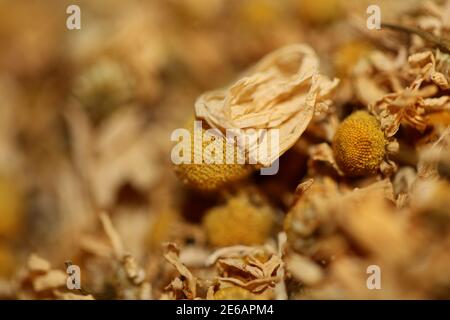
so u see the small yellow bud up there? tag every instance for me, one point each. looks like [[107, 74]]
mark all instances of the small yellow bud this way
[[359, 145], [238, 221], [210, 176]]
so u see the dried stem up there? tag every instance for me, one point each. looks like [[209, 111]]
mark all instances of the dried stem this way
[[441, 44]]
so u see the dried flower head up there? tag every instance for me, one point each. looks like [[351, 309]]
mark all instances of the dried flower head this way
[[359, 145], [282, 91], [239, 221], [210, 175], [252, 268]]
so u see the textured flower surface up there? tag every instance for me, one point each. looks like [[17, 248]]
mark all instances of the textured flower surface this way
[[359, 144], [239, 221], [209, 175], [282, 91]]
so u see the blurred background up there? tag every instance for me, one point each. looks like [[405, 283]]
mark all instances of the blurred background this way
[[86, 115]]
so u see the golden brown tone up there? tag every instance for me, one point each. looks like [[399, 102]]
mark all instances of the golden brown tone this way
[[359, 144]]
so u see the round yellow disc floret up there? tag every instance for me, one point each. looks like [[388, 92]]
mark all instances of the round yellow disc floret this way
[[210, 175], [359, 145], [238, 222]]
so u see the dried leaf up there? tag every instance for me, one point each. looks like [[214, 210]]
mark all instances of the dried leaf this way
[[187, 283]]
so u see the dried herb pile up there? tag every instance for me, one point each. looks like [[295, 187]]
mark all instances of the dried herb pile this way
[[86, 177]]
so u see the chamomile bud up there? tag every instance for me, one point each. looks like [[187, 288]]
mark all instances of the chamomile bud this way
[[216, 168], [359, 145], [239, 221]]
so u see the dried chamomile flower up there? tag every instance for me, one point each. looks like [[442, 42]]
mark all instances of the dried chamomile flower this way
[[185, 285], [103, 87], [434, 158], [379, 74], [11, 208], [304, 222], [314, 223], [282, 91], [210, 174], [430, 67], [359, 145], [408, 106], [239, 221], [432, 18], [256, 269]]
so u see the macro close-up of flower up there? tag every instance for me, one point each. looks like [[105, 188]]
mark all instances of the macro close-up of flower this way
[[225, 150]]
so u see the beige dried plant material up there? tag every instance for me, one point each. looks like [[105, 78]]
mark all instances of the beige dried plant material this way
[[323, 153], [282, 91], [303, 269], [252, 268], [38, 264], [378, 75], [121, 150], [131, 277], [374, 225], [408, 107], [427, 168], [435, 17], [51, 279], [425, 65], [45, 281], [42, 276], [186, 282], [313, 225]]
